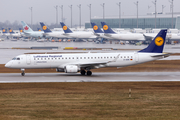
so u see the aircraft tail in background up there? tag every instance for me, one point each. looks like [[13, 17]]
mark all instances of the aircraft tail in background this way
[[45, 28], [107, 29], [26, 27], [65, 28]]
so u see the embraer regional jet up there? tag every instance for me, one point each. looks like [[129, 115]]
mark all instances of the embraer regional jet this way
[[84, 62]]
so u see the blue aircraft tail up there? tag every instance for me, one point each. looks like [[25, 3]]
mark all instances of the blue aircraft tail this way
[[11, 31], [39, 29], [26, 27], [20, 29], [106, 28], [45, 28], [4, 30], [157, 45], [65, 28], [96, 28]]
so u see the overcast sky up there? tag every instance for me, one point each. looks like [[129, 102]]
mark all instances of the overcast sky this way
[[43, 10]]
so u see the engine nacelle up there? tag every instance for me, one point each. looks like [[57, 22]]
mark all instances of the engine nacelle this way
[[71, 69], [59, 70]]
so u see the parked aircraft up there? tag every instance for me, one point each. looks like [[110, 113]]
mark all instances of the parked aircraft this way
[[29, 32], [124, 36], [84, 62], [5, 32], [48, 32], [78, 34], [13, 34]]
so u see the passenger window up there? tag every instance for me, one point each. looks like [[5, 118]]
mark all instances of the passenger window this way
[[94, 57], [18, 58], [84, 57], [91, 57]]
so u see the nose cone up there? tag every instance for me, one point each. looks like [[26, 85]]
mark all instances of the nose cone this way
[[8, 65]]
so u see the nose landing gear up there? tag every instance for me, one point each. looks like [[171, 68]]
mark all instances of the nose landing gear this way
[[23, 73]]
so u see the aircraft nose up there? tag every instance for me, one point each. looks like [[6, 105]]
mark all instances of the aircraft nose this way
[[8, 64]]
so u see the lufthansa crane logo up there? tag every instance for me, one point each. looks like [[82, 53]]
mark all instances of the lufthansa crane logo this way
[[105, 27], [4, 30], [159, 41], [95, 27], [10, 31], [44, 27], [65, 28], [21, 31]]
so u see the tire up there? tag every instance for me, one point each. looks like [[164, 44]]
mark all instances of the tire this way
[[89, 73], [83, 72]]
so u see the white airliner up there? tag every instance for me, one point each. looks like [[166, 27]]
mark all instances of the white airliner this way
[[124, 36], [48, 32], [30, 33], [84, 62], [79, 34], [13, 34]]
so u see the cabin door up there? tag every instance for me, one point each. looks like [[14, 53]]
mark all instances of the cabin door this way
[[136, 57], [28, 59]]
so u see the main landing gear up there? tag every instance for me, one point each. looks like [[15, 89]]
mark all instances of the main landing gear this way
[[23, 73], [88, 73]]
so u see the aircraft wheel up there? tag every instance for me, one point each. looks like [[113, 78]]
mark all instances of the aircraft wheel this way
[[89, 73], [83, 72], [22, 73]]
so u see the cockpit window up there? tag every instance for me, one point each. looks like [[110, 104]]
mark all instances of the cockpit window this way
[[16, 58]]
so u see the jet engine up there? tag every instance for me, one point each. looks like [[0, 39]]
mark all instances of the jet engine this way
[[71, 69]]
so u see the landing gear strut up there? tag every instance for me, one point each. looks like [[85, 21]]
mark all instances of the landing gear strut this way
[[23, 73]]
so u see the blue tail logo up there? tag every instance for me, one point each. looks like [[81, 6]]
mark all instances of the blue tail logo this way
[[45, 28], [96, 28], [159, 41], [4, 30], [107, 29], [65, 28], [157, 45]]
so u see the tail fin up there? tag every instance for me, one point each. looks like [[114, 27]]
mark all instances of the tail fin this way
[[38, 29], [157, 45], [20, 29], [106, 28], [65, 28], [11, 31], [45, 28], [96, 28], [26, 27], [4, 30]]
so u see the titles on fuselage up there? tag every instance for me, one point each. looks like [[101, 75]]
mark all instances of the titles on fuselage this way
[[46, 56]]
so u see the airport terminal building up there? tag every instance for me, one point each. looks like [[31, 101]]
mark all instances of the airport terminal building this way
[[144, 22]]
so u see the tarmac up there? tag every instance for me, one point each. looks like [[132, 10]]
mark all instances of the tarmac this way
[[96, 77]]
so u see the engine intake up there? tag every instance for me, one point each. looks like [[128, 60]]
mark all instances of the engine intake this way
[[71, 69]]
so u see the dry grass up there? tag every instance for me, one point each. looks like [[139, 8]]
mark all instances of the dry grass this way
[[89, 101], [158, 65]]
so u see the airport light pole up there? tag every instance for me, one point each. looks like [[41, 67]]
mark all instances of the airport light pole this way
[[171, 1], [155, 11], [89, 14], [61, 12], [119, 4], [163, 8], [137, 12], [71, 14], [56, 7], [103, 10], [79, 6], [31, 8]]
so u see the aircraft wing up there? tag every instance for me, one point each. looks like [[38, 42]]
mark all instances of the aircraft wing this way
[[147, 37], [96, 64]]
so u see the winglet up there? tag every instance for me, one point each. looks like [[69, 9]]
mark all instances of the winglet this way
[[96, 28], [45, 28], [65, 28], [157, 45], [26, 27], [106, 28]]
